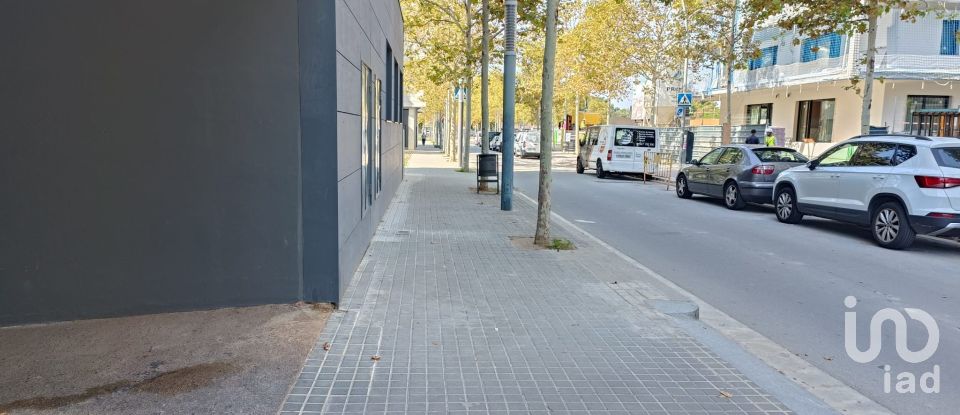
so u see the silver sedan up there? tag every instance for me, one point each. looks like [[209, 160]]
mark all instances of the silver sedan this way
[[738, 173]]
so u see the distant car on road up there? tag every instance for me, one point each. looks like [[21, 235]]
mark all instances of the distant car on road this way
[[495, 143], [739, 173], [527, 144], [899, 186]]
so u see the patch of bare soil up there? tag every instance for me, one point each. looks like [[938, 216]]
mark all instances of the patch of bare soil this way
[[231, 360], [167, 383]]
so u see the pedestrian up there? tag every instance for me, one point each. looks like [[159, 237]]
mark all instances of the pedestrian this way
[[769, 139], [423, 138], [753, 139]]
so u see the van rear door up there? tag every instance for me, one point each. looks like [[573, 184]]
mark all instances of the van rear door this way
[[645, 140], [621, 159]]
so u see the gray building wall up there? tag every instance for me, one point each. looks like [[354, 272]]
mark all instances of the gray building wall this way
[[364, 29], [161, 156]]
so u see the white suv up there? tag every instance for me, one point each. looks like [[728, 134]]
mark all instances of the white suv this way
[[899, 186]]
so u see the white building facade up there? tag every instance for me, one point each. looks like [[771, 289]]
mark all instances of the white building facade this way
[[807, 90]]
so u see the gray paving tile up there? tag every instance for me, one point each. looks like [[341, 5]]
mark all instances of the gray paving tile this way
[[466, 323]]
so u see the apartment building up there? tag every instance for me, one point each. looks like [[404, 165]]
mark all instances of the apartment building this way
[[806, 88]]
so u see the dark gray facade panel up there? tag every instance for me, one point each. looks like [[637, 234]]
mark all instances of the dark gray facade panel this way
[[318, 88], [364, 28], [150, 157]]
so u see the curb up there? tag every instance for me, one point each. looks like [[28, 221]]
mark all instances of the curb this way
[[812, 379]]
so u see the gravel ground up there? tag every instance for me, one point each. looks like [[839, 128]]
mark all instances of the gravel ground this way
[[232, 360]]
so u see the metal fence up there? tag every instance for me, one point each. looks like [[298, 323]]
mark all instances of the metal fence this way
[[664, 164]]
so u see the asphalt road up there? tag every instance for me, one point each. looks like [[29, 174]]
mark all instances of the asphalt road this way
[[787, 282]]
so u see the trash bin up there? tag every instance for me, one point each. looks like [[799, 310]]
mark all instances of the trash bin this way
[[488, 170]]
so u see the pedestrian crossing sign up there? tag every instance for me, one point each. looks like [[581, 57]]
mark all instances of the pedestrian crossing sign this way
[[684, 99]]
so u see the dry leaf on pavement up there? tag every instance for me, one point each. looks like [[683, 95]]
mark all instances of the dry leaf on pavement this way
[[726, 394], [375, 358], [326, 345]]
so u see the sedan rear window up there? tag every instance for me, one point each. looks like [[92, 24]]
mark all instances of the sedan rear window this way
[[773, 155], [947, 157]]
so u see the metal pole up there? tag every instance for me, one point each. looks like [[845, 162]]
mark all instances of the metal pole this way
[[509, 101]]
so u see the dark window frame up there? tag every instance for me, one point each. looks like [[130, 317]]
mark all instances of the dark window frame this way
[[805, 116], [768, 106]]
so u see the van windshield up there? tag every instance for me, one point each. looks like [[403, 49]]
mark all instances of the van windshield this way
[[635, 137]]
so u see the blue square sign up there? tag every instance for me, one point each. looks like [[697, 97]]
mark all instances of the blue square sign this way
[[684, 99]]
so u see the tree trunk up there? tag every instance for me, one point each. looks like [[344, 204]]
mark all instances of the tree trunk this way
[[485, 81], [468, 83], [542, 236], [576, 124], [653, 107], [870, 63], [730, 59], [465, 160]]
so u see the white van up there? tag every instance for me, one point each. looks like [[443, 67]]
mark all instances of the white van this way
[[616, 149]]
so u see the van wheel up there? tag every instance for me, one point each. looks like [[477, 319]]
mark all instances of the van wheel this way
[[600, 172], [891, 227], [785, 204], [732, 197], [683, 191], [579, 166]]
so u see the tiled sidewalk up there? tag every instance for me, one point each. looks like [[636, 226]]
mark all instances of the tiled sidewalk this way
[[462, 321]]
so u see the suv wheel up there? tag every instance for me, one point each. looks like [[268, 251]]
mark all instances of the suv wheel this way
[[683, 191], [891, 228], [579, 166], [785, 204], [600, 172], [732, 198]]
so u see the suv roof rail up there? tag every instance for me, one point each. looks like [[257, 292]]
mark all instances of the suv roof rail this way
[[917, 137]]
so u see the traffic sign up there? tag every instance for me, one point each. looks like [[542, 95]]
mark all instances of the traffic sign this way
[[684, 99], [681, 111]]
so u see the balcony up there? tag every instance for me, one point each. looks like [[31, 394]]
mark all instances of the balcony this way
[[823, 69], [918, 66]]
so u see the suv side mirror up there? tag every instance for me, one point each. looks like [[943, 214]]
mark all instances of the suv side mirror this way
[[812, 164]]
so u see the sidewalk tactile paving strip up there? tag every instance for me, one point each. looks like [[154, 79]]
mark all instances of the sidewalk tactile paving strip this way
[[465, 323]]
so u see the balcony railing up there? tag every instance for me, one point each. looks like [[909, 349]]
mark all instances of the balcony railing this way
[[919, 66], [791, 74]]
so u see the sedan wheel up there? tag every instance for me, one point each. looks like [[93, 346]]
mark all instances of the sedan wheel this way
[[683, 191], [732, 198], [891, 228]]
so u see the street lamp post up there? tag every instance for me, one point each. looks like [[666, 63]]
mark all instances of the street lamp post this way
[[509, 101]]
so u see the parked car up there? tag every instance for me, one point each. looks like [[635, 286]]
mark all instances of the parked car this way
[[899, 186], [739, 174], [527, 144], [616, 149], [492, 135], [495, 143]]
